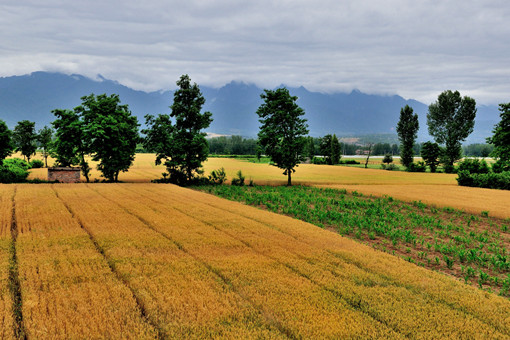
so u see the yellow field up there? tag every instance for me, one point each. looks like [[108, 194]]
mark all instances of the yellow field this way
[[154, 260], [435, 189]]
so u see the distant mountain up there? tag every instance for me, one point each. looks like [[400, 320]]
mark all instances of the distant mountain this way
[[233, 106]]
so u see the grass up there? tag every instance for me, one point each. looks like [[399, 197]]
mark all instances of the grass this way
[[469, 247]]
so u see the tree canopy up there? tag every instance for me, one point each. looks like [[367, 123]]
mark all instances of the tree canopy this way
[[501, 138], [451, 120], [183, 145], [44, 142], [100, 127], [430, 153], [25, 138], [407, 130], [282, 131], [6, 144]]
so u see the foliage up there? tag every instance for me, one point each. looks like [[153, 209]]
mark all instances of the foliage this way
[[36, 163], [44, 138], [282, 131], [417, 167], [232, 145], [388, 158], [238, 180], [407, 129], [111, 132], [70, 145], [489, 180], [430, 153], [500, 166], [218, 176], [450, 120], [183, 146], [6, 143], [477, 150], [474, 166], [25, 138], [501, 137], [330, 149], [389, 167], [14, 170]]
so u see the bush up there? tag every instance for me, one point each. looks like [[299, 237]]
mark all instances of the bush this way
[[489, 180], [14, 170], [36, 164], [500, 166], [218, 176], [474, 166], [417, 167], [319, 160], [239, 180], [388, 159], [17, 162], [389, 166], [350, 161]]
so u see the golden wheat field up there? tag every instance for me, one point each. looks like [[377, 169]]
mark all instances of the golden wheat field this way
[[435, 189], [142, 261]]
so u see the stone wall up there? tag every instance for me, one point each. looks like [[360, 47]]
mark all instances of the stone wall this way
[[64, 175]]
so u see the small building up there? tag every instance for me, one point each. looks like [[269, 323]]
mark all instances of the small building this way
[[64, 175]]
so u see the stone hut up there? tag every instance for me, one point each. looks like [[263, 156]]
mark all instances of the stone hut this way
[[64, 175]]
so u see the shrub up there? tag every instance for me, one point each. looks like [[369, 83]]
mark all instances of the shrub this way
[[239, 180], [387, 159], [389, 166], [417, 167], [18, 162], [36, 163], [490, 180], [500, 166], [474, 166], [350, 161], [13, 171], [319, 160], [218, 176]]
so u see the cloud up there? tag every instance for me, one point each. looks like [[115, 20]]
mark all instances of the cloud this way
[[416, 49]]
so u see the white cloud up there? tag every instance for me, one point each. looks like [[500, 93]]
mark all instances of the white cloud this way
[[416, 49]]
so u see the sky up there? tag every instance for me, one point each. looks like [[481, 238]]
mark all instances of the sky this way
[[416, 49]]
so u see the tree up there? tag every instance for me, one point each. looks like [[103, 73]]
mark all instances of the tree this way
[[310, 148], [110, 132], [6, 144], [388, 158], [430, 153], [183, 146], [450, 120], [70, 146], [282, 131], [335, 150], [501, 138], [407, 129], [325, 148], [25, 138], [44, 140]]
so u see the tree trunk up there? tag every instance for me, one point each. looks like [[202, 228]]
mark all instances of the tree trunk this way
[[46, 160], [289, 172], [368, 156]]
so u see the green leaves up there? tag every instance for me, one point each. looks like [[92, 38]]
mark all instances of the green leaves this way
[[450, 120], [407, 129], [25, 137], [6, 144], [282, 131]]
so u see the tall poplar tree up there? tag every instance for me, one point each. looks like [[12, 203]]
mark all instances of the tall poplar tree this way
[[407, 129]]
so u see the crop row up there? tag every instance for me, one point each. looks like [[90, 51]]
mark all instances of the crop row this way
[[443, 239], [394, 296]]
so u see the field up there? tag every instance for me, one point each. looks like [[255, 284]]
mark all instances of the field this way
[[157, 261], [433, 189]]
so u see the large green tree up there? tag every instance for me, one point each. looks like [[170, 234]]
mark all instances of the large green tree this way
[[25, 138], [450, 120], [407, 130], [501, 139], [111, 132], [44, 142], [70, 146], [6, 144], [182, 145], [282, 131]]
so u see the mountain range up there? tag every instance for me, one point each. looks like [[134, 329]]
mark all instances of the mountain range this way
[[233, 106]]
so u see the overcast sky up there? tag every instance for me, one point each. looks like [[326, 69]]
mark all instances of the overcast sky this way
[[412, 48]]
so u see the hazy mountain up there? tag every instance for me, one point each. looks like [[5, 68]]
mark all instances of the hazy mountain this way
[[233, 106]]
